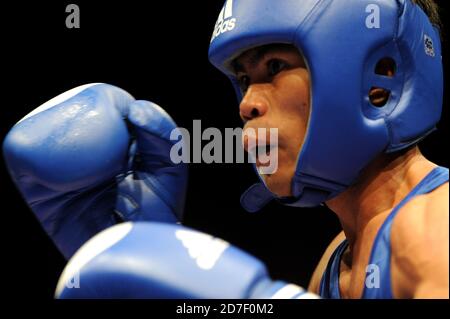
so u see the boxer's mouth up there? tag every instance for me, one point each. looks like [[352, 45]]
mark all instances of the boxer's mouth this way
[[260, 150], [265, 150]]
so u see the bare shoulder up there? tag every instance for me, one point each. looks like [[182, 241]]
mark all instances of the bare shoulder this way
[[419, 214], [420, 243], [314, 283]]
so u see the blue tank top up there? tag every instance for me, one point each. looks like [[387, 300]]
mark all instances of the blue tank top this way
[[381, 250]]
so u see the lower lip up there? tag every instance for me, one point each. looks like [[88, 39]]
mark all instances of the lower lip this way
[[267, 163]]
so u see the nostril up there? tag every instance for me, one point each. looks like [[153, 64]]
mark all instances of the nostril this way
[[254, 113]]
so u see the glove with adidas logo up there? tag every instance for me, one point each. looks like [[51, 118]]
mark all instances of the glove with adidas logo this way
[[156, 260]]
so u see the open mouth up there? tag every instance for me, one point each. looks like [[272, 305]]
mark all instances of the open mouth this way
[[263, 154], [263, 151]]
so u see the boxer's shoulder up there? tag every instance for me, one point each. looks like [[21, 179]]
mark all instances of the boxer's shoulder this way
[[420, 213], [314, 284], [419, 242]]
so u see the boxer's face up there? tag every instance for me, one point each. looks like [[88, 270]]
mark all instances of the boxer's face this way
[[275, 83]]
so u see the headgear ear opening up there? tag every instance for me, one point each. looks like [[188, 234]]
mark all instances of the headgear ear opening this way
[[379, 96]]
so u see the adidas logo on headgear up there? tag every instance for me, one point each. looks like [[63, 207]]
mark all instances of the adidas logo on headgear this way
[[225, 22]]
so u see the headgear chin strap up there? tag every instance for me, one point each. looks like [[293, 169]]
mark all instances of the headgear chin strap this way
[[342, 43]]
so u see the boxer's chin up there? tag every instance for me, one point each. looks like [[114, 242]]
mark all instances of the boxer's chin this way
[[280, 182]]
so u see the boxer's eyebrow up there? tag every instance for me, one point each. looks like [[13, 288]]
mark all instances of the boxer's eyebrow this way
[[254, 56], [253, 59]]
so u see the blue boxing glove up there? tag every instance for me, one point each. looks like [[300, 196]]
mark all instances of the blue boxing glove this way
[[156, 260], [93, 157]]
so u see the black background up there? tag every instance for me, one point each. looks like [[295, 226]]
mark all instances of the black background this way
[[156, 50]]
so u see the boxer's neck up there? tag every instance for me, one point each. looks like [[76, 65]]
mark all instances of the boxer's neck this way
[[380, 188]]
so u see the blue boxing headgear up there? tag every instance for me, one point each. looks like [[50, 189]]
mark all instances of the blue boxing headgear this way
[[342, 42]]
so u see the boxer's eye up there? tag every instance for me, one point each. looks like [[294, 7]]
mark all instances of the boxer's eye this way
[[244, 82], [275, 66]]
